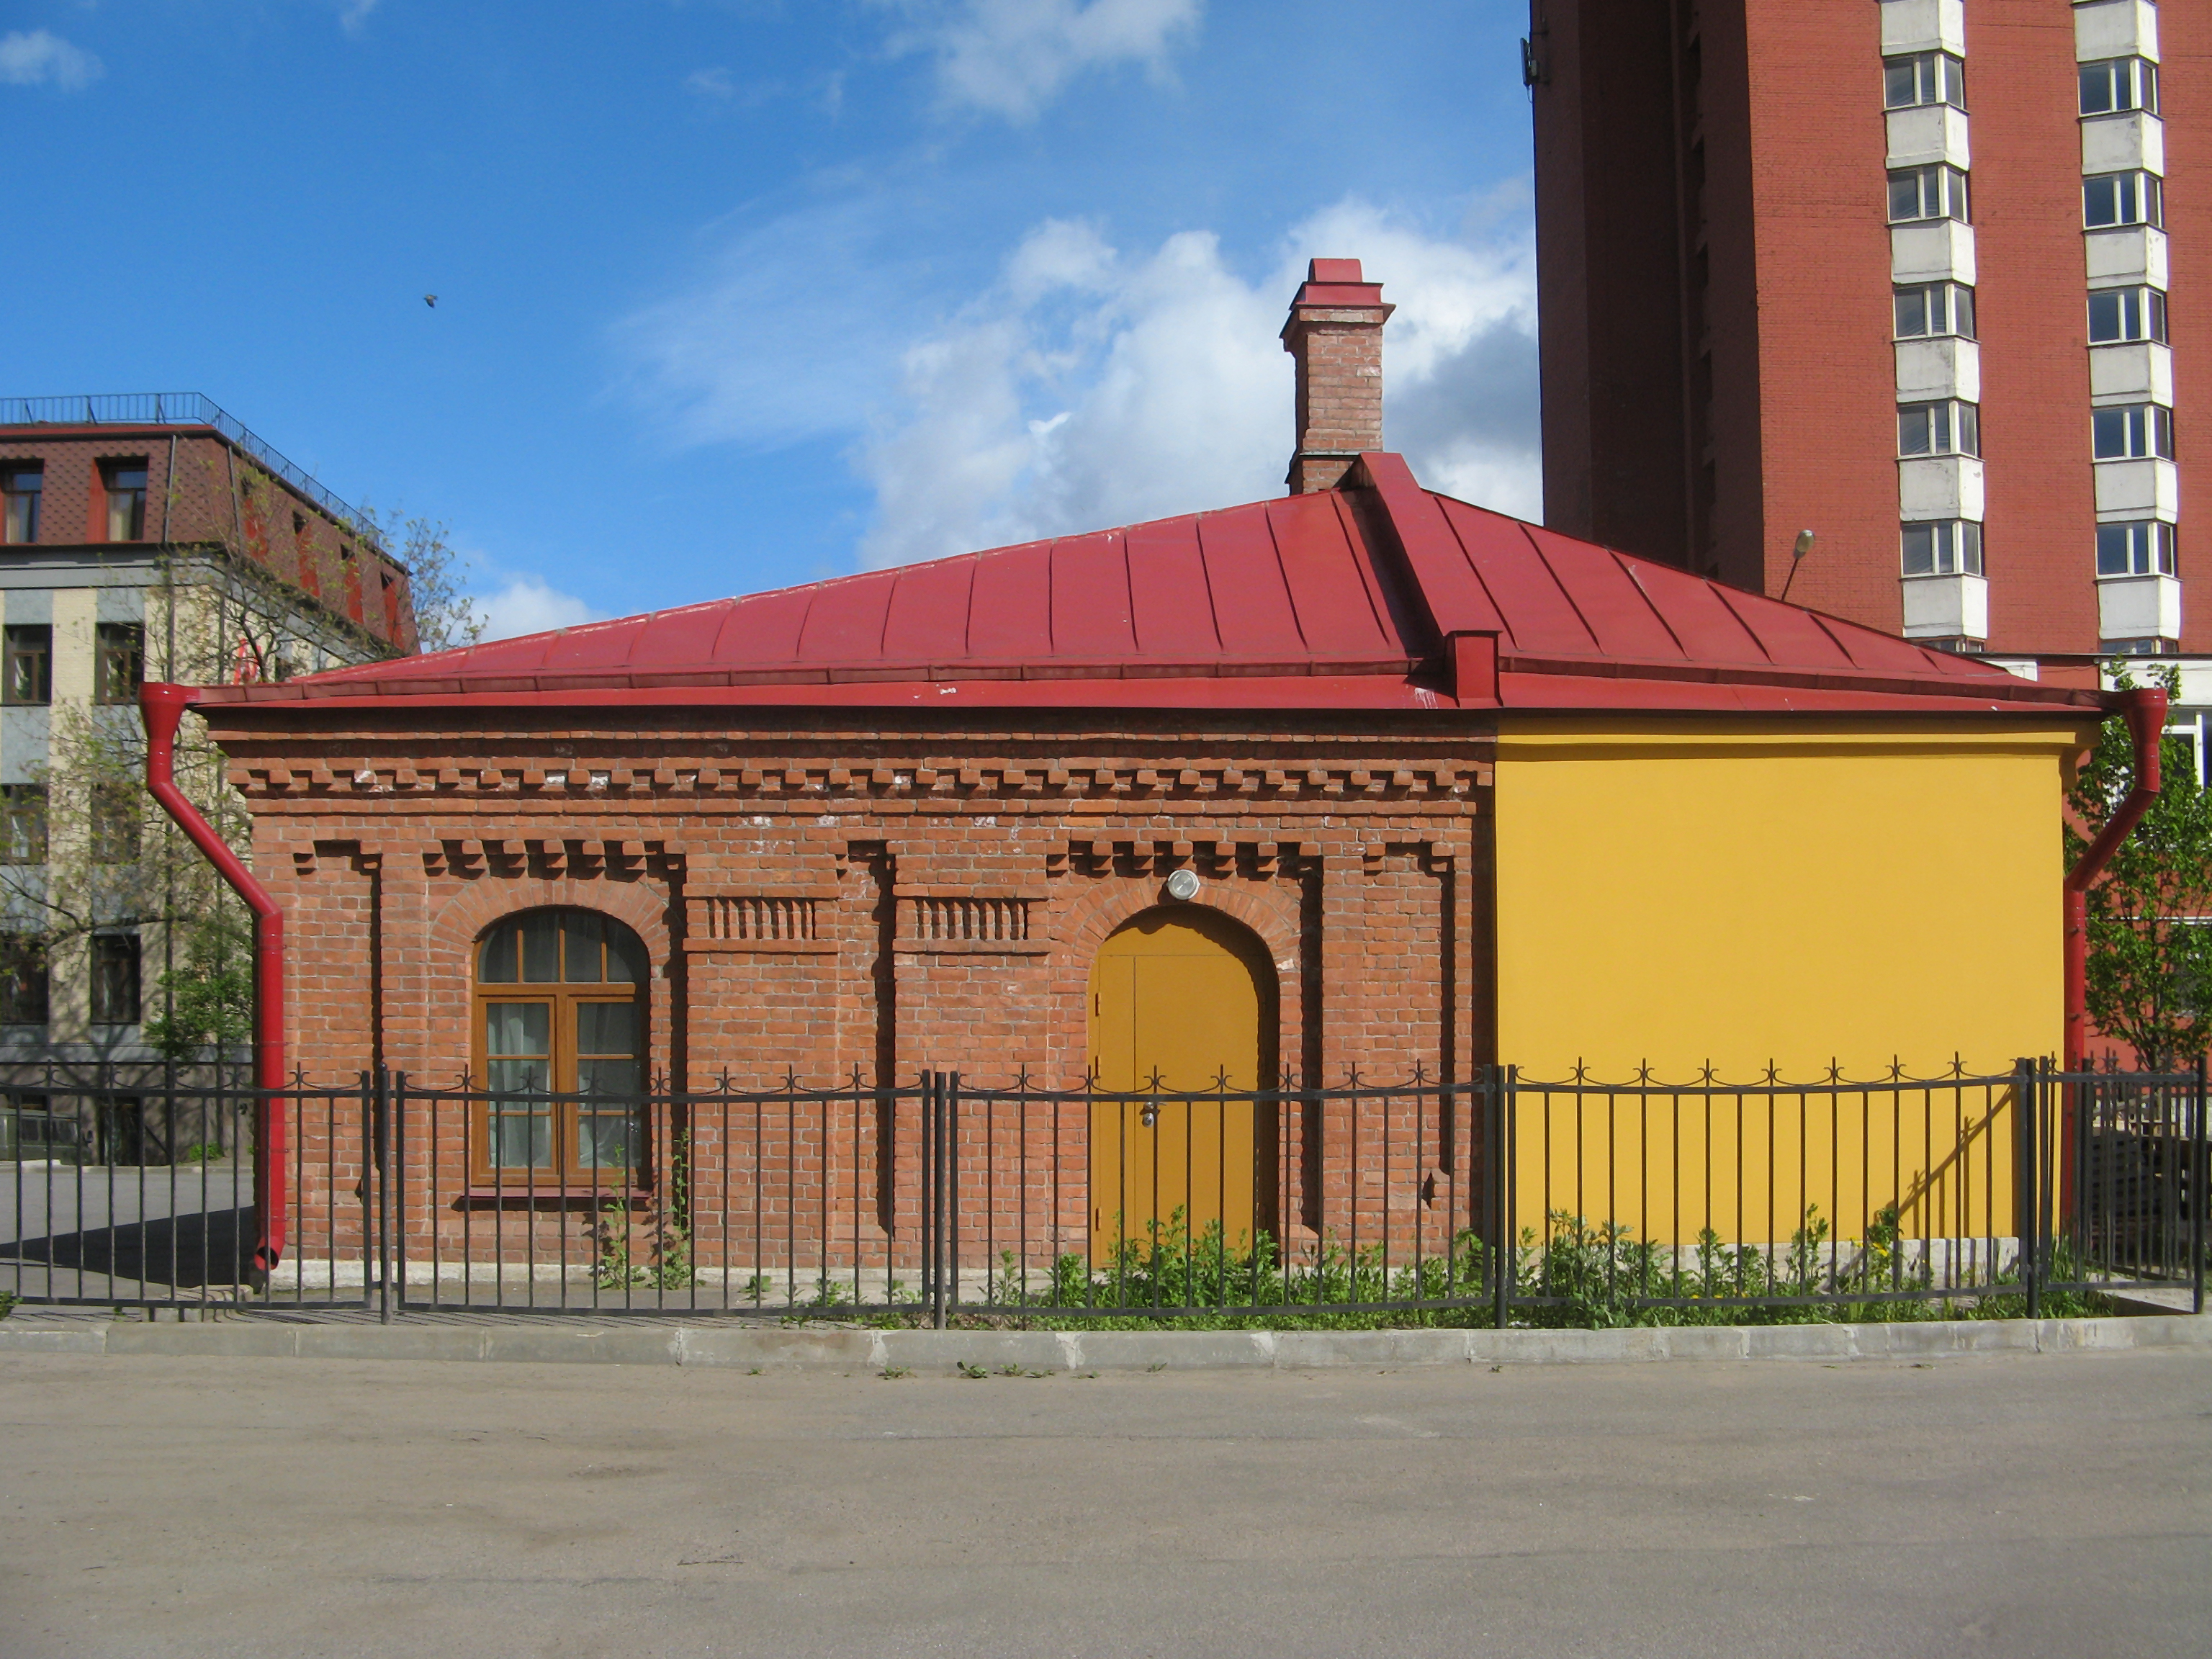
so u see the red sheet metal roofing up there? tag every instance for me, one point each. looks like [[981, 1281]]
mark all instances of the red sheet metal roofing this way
[[1341, 599]]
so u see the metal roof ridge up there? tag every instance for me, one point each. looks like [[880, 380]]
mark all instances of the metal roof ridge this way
[[1228, 666], [1854, 678]]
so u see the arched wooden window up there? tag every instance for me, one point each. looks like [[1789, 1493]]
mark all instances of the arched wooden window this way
[[560, 1010]]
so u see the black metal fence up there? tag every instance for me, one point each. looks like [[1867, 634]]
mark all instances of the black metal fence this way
[[2118, 1168], [129, 1182], [1496, 1200]]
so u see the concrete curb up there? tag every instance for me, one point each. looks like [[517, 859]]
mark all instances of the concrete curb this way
[[779, 1349]]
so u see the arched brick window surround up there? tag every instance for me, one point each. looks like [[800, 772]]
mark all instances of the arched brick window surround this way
[[449, 967]]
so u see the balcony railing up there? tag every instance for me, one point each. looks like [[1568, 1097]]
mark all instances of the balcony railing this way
[[180, 408]]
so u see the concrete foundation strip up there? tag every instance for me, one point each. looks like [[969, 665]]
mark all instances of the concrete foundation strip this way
[[940, 1353]]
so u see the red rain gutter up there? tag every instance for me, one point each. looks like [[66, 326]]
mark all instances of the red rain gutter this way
[[2145, 709], [163, 708]]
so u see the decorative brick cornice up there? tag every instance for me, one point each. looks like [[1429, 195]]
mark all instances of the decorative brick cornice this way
[[816, 781], [551, 860]]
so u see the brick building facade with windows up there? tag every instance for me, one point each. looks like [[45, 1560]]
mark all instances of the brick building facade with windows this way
[[138, 534], [1916, 276], [1427, 787]]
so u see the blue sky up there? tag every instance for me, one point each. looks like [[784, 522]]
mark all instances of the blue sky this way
[[738, 293]]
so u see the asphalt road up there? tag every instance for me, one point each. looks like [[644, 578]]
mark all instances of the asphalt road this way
[[95, 1231], [2017, 1506]]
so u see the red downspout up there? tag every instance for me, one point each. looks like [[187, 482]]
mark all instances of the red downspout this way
[[2145, 708], [163, 708]]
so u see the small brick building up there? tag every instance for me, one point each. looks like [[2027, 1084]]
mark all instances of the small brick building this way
[[1451, 787]]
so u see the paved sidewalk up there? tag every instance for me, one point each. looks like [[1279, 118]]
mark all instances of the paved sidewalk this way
[[2017, 1504], [770, 1345]]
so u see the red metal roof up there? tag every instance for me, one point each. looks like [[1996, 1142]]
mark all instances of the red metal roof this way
[[1342, 599]]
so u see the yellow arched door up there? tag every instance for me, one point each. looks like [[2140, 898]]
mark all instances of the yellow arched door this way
[[1186, 996]]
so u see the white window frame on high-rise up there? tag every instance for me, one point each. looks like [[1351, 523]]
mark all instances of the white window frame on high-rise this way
[[1940, 547], [2135, 547], [2119, 86], [2131, 432], [1946, 426], [2121, 201], [2127, 316], [1921, 78], [1937, 192], [1951, 305]]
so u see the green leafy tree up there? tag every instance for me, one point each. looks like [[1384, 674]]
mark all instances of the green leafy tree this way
[[2150, 917], [446, 613], [208, 1000]]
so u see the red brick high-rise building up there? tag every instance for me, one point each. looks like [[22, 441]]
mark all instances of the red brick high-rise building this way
[[1906, 274]]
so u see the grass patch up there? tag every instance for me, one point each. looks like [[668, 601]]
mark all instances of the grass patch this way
[[1576, 1276]]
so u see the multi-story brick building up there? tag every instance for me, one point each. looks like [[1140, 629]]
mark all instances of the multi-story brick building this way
[[141, 534], [1908, 275], [1356, 781]]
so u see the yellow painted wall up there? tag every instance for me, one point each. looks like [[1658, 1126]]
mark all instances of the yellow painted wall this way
[[1676, 891]]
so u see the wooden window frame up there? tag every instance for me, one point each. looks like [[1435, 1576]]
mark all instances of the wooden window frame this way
[[565, 1174], [118, 661], [24, 517], [120, 956], [25, 981], [114, 496], [33, 643], [23, 808], [116, 823]]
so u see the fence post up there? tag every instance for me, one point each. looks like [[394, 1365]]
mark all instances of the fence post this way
[[398, 1179], [2197, 1171], [934, 1197], [951, 1167], [2027, 1094], [1505, 1260], [368, 1161], [922, 1145], [932, 1189], [383, 1196]]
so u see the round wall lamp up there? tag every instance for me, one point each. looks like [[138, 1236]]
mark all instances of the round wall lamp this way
[[1183, 886]]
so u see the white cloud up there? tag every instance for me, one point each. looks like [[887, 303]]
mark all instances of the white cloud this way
[[528, 605], [39, 58], [1010, 57], [1092, 388], [353, 14], [710, 83]]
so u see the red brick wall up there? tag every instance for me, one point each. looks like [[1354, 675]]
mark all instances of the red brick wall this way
[[2040, 536], [1826, 377], [1352, 852], [1339, 390]]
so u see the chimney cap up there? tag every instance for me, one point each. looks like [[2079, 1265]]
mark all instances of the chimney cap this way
[[1338, 285]]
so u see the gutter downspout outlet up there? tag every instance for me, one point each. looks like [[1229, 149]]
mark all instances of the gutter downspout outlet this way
[[163, 707]]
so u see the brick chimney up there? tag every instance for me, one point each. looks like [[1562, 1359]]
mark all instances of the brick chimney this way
[[1335, 333]]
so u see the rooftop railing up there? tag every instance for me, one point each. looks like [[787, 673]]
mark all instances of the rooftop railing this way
[[180, 408]]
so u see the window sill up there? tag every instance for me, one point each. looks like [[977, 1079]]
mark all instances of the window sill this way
[[477, 1192]]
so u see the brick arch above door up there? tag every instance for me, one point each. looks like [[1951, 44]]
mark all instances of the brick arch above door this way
[[1271, 908]]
